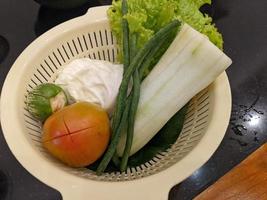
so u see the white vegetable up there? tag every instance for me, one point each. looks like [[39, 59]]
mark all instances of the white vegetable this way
[[94, 81], [190, 64]]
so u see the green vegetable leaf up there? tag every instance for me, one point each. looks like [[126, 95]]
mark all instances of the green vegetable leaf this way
[[147, 17], [188, 11]]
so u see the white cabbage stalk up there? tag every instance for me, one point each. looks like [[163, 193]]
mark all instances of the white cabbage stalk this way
[[94, 81], [190, 64]]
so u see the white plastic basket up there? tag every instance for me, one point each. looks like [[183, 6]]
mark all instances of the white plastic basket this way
[[90, 36]]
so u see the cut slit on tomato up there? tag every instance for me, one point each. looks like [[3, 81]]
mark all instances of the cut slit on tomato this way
[[75, 132], [67, 132], [73, 145]]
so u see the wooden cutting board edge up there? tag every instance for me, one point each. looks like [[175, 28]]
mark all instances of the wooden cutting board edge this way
[[246, 181]]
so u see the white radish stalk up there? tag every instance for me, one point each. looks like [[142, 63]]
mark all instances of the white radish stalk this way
[[189, 65]]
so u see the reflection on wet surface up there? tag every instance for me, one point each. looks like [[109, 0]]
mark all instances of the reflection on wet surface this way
[[4, 48], [244, 120]]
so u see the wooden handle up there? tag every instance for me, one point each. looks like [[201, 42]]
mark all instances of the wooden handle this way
[[247, 181]]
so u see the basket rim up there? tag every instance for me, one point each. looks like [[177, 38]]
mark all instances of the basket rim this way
[[72, 186]]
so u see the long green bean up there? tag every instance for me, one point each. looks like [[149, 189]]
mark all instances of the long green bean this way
[[135, 94], [131, 119], [121, 107], [112, 147], [147, 63], [126, 60], [135, 64], [126, 53], [134, 99], [125, 30]]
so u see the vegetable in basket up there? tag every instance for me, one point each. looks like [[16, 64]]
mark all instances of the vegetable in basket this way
[[189, 65], [45, 99], [78, 134], [95, 81], [167, 60]]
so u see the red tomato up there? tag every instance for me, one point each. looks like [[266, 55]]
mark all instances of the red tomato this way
[[78, 134]]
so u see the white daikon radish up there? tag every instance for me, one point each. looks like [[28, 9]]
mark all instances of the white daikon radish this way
[[189, 65]]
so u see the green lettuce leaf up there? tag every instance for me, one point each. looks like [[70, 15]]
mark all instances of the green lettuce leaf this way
[[147, 17]]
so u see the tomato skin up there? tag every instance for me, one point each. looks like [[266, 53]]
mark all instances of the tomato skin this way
[[78, 134]]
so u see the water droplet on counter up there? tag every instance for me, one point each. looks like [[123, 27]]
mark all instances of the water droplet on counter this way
[[241, 143], [246, 120], [256, 139], [233, 119], [242, 106], [250, 115], [246, 116], [259, 112], [238, 128]]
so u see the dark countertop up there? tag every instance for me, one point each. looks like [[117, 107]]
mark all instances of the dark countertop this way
[[244, 27]]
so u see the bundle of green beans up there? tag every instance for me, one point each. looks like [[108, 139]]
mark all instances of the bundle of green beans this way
[[135, 64]]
